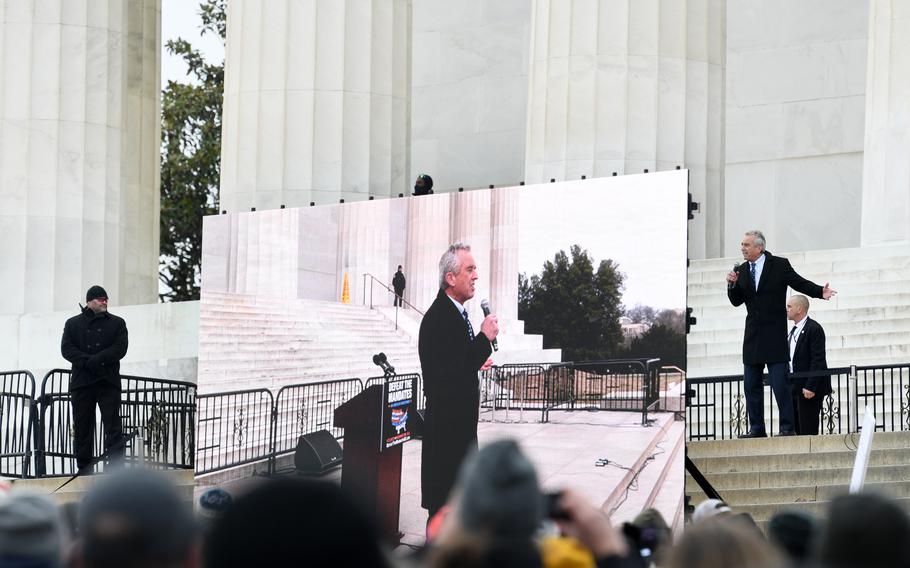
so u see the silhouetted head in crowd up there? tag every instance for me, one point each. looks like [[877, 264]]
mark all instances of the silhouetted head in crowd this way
[[294, 522], [795, 532], [650, 534], [865, 531], [720, 543], [136, 518], [32, 532], [423, 185], [498, 508]]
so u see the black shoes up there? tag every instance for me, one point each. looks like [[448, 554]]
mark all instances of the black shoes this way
[[791, 433], [753, 435]]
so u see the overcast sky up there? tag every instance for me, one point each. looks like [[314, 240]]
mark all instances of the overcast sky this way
[[639, 221], [180, 18]]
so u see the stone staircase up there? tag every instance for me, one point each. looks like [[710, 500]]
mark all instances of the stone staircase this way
[[763, 476], [77, 489], [660, 480], [262, 342], [867, 323], [265, 342]]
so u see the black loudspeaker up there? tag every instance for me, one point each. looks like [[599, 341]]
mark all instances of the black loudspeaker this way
[[317, 452]]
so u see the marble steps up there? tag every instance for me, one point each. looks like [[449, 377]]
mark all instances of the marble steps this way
[[872, 299], [835, 344], [832, 329], [663, 479], [843, 282], [873, 258], [764, 476]]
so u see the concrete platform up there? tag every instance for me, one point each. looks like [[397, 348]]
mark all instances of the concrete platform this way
[[565, 451]]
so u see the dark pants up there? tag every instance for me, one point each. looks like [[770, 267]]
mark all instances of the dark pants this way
[[807, 412], [107, 397], [399, 301], [755, 396]]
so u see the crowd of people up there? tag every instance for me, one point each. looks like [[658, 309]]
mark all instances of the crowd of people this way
[[498, 516]]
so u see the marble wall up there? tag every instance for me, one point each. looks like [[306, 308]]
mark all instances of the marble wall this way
[[79, 124], [627, 86], [470, 91], [886, 160], [795, 107], [164, 340], [316, 102]]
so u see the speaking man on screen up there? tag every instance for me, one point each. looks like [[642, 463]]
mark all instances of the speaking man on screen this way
[[451, 354], [761, 283]]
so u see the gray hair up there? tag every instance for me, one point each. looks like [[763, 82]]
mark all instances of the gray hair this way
[[758, 237], [449, 262]]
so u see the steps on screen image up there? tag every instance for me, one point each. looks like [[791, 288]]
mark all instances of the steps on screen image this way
[[867, 323]]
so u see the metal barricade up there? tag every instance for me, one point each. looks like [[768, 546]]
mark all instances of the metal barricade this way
[[716, 406], [234, 428], [310, 407], [160, 412], [17, 418]]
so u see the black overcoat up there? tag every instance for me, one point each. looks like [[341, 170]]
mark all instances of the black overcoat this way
[[765, 336], [809, 355], [449, 361], [94, 344]]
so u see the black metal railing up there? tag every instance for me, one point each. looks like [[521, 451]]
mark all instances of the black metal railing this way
[[234, 428], [307, 408], [162, 413], [373, 281], [716, 406], [242, 427], [17, 409]]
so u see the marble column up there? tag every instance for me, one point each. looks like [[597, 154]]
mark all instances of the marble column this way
[[504, 252], [364, 248], [316, 102], [886, 151], [79, 85], [623, 86], [471, 225], [427, 239]]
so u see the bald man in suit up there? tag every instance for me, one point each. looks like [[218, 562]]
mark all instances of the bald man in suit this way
[[806, 341]]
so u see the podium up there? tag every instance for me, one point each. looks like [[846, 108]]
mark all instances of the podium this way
[[375, 426]]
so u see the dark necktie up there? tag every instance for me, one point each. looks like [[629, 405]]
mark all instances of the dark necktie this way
[[754, 281], [790, 337], [467, 321]]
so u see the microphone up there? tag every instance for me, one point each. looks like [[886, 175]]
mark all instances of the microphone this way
[[730, 285], [485, 306]]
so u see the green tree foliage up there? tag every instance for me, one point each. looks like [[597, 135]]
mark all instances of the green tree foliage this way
[[662, 341], [574, 307], [190, 159]]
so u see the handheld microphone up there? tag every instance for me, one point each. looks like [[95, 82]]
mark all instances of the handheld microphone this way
[[485, 306], [730, 285]]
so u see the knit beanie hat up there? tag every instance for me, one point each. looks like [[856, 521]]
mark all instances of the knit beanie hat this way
[[94, 293], [31, 530], [499, 492]]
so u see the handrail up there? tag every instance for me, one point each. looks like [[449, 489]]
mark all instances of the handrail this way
[[386, 286]]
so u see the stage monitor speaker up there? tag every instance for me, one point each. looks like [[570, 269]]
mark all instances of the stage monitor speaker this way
[[317, 452]]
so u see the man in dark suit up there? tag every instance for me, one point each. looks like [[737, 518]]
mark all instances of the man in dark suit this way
[[450, 356], [94, 342], [761, 283], [806, 341], [398, 283]]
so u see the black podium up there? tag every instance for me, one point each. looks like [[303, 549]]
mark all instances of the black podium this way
[[375, 425]]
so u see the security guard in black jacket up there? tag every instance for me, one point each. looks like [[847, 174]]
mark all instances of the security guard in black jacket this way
[[94, 342]]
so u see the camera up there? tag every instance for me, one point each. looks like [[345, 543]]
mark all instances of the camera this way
[[551, 507]]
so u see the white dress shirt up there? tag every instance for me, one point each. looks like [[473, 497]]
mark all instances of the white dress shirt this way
[[759, 266], [795, 337]]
